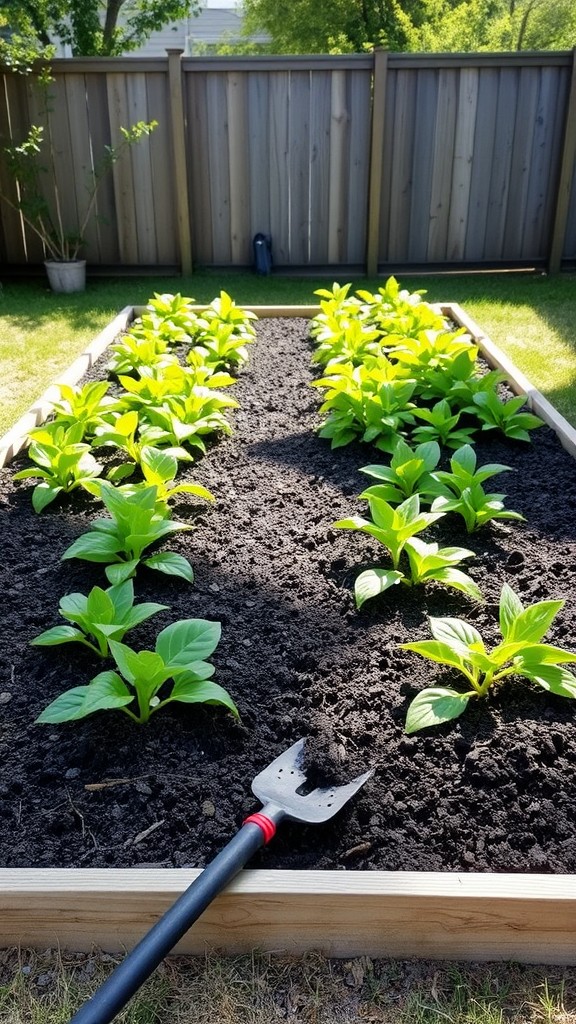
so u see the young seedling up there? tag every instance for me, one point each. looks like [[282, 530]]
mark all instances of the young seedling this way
[[131, 437], [139, 688], [91, 406], [370, 403], [395, 528], [159, 469], [505, 416], [120, 540], [408, 473], [461, 490], [458, 645], [63, 463], [98, 617], [442, 426]]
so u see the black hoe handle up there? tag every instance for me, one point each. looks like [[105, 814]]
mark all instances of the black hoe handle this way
[[127, 978]]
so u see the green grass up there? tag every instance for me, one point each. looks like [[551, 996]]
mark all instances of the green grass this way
[[531, 317], [47, 987]]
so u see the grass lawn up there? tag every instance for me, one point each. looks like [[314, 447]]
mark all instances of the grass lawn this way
[[530, 316]]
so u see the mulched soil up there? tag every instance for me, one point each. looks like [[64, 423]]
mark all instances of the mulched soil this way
[[493, 791]]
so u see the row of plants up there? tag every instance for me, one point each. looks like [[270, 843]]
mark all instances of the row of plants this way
[[166, 374], [391, 362]]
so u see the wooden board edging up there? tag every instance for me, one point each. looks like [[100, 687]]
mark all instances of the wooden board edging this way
[[444, 916], [527, 918]]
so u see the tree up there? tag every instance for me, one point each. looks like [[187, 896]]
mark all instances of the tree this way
[[333, 26], [342, 26], [105, 28]]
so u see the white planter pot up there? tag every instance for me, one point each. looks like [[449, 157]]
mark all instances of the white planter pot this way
[[66, 277]]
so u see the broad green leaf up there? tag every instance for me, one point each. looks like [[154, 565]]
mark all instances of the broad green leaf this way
[[188, 640], [195, 671], [436, 651], [171, 564], [43, 494], [545, 654], [466, 458], [121, 571], [106, 691], [195, 489], [373, 582], [94, 547], [140, 612], [202, 693], [100, 607], [534, 621], [57, 635], [352, 523], [551, 677], [122, 596], [459, 580], [456, 633], [73, 607], [160, 466], [510, 608], [434, 706]]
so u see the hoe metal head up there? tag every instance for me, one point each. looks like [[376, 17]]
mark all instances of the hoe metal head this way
[[283, 783]]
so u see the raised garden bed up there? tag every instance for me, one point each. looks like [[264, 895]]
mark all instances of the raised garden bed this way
[[485, 803]]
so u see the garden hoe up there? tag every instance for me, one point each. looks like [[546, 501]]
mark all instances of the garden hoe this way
[[281, 788]]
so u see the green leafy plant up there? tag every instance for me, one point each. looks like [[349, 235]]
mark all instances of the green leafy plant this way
[[91, 406], [347, 340], [459, 645], [63, 463], [223, 330], [138, 349], [188, 418], [505, 416], [130, 437], [159, 470], [370, 403], [408, 473], [442, 426], [98, 617], [396, 528], [139, 687], [461, 490], [120, 540]]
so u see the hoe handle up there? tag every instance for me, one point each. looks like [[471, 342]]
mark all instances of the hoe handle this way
[[127, 978]]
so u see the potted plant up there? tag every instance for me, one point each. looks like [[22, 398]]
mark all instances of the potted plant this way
[[38, 200]]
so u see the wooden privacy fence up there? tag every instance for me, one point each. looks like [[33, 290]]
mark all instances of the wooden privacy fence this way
[[363, 161]]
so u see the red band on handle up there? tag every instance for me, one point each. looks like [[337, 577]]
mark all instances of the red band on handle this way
[[268, 827]]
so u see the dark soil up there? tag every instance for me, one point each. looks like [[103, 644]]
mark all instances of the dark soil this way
[[493, 791]]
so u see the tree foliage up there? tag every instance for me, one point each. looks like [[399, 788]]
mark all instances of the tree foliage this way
[[104, 28], [348, 26]]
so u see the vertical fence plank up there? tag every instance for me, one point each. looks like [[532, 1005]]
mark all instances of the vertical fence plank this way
[[279, 184], [501, 164], [81, 157], [338, 166], [239, 168], [219, 163], [401, 169], [534, 242], [47, 107], [320, 105], [179, 157], [442, 168], [258, 152], [164, 199], [197, 156], [377, 136], [360, 87], [422, 163], [299, 167], [521, 161], [141, 168], [122, 171], [567, 179], [484, 139], [106, 247], [462, 165]]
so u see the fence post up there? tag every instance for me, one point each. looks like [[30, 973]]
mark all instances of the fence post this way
[[376, 160], [565, 180], [176, 100]]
